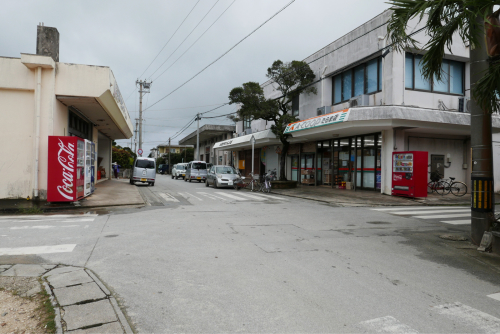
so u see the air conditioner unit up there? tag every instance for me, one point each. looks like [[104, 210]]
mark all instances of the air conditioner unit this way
[[359, 101], [324, 110], [248, 131], [464, 104]]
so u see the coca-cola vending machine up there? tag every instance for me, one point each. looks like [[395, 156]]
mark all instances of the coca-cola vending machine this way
[[88, 167], [92, 169], [65, 175], [409, 173]]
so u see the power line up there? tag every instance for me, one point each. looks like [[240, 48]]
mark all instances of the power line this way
[[195, 41], [170, 38], [183, 41], [223, 54]]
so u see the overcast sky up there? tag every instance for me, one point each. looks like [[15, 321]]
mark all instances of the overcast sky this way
[[128, 35]]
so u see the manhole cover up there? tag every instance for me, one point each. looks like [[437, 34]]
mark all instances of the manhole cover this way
[[111, 236], [453, 237], [379, 223]]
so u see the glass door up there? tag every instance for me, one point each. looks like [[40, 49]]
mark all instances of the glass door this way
[[295, 167], [344, 159], [369, 161], [307, 168]]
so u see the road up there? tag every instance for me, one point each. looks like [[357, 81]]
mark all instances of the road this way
[[199, 259]]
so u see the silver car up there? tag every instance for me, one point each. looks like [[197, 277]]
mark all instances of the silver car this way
[[197, 171], [144, 170], [221, 176]]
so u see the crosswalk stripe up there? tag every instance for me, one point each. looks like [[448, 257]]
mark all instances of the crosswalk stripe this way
[[232, 196], [419, 208], [495, 296], [38, 250], [168, 197], [457, 222], [471, 316], [386, 325], [188, 195], [214, 197], [427, 212], [273, 197], [39, 227], [258, 198], [458, 215]]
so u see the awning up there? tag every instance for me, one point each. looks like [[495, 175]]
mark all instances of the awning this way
[[262, 138]]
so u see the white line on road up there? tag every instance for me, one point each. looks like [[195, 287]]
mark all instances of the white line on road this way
[[39, 227], [456, 222], [49, 216], [258, 198], [212, 196], [168, 197], [419, 208], [386, 325], [188, 195], [495, 296], [458, 215], [430, 211], [273, 197], [38, 250], [470, 316], [232, 196]]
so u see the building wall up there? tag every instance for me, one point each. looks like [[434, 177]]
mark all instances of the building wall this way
[[496, 160]]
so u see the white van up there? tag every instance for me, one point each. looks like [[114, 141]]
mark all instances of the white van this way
[[144, 170]]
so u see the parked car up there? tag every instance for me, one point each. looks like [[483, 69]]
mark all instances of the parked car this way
[[209, 166], [179, 170], [221, 176], [163, 169], [144, 170], [196, 170]]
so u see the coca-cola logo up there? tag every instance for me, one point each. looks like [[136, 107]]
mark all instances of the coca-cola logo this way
[[66, 158], [397, 177]]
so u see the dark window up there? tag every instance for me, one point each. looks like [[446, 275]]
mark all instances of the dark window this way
[[295, 106], [145, 164], [452, 76], [79, 127], [199, 165], [246, 122]]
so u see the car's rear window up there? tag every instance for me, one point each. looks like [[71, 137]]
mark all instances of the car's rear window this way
[[145, 164], [225, 170], [199, 165], [181, 167]]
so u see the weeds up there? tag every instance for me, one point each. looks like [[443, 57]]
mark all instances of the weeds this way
[[47, 311], [33, 210]]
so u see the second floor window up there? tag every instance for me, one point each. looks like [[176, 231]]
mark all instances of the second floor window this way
[[363, 79], [295, 106], [452, 78], [247, 122]]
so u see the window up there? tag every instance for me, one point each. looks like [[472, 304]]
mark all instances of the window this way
[[199, 165], [247, 123], [363, 79], [452, 78], [148, 164], [295, 106]]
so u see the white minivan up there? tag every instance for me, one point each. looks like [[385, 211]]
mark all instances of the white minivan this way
[[144, 170], [197, 171]]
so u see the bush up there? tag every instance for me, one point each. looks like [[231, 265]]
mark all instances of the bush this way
[[122, 157]]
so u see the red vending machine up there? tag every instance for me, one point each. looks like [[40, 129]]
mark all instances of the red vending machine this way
[[65, 179], [409, 173]]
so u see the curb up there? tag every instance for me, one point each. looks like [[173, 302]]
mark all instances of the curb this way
[[45, 210], [55, 306]]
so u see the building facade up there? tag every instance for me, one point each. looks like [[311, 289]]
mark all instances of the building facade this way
[[43, 97], [209, 134], [371, 101]]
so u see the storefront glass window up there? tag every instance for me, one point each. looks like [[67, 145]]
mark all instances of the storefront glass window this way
[[358, 162], [295, 167], [344, 159], [378, 175], [369, 162]]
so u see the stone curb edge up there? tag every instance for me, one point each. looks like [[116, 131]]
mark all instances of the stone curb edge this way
[[15, 210], [55, 306]]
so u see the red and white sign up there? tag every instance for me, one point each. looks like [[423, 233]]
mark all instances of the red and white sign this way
[[65, 179], [139, 151]]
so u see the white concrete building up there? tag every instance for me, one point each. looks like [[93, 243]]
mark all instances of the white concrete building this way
[[387, 107], [209, 134], [42, 97]]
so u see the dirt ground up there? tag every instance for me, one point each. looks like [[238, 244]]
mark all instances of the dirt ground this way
[[21, 315]]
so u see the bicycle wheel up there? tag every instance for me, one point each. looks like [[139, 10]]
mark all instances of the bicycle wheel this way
[[442, 187], [254, 186], [458, 189], [266, 187], [430, 187]]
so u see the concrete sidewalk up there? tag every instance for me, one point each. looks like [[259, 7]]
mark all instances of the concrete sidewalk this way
[[343, 197], [108, 193]]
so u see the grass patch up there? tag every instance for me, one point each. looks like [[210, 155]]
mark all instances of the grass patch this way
[[30, 211], [47, 312]]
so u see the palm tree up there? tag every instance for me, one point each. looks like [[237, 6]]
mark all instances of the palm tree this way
[[478, 26]]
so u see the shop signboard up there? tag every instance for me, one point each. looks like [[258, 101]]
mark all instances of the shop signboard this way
[[310, 123]]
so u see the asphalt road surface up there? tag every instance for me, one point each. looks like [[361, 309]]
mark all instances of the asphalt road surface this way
[[200, 259]]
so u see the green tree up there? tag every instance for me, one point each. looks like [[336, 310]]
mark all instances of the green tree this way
[[290, 79], [121, 157], [474, 22]]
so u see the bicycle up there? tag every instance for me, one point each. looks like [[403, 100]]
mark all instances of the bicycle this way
[[457, 188], [436, 184], [266, 185], [254, 183]]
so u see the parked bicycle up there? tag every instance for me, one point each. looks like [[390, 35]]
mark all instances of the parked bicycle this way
[[251, 181], [270, 176], [436, 185], [457, 188]]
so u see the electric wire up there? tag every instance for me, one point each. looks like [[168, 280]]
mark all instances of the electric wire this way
[[183, 41], [195, 41], [225, 53], [170, 38]]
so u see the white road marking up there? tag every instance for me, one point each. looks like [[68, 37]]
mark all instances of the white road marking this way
[[38, 250], [273, 197], [39, 227], [168, 197], [419, 208], [495, 296], [386, 325], [470, 316], [258, 198], [232, 196], [457, 222], [430, 211], [188, 195], [49, 216], [78, 220], [458, 215]]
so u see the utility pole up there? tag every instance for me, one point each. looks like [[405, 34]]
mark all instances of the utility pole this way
[[483, 196], [144, 87], [135, 137], [198, 136], [169, 164]]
